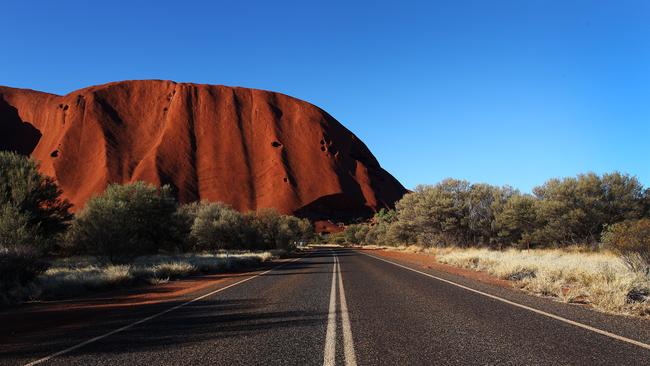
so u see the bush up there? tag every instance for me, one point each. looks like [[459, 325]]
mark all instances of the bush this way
[[631, 239], [126, 221], [338, 239], [515, 220], [377, 234], [561, 212], [576, 210], [275, 231], [32, 215], [15, 229], [216, 226], [32, 211], [355, 233], [450, 213]]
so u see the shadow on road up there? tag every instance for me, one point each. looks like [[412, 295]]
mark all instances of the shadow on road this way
[[202, 321]]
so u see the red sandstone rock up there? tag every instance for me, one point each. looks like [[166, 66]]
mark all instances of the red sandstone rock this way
[[249, 148]]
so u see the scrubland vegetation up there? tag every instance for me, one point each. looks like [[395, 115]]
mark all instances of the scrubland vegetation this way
[[580, 239], [129, 234], [571, 275], [77, 275]]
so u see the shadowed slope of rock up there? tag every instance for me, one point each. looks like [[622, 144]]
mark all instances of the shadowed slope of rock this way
[[250, 148]]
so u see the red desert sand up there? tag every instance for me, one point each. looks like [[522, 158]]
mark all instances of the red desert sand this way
[[252, 149]]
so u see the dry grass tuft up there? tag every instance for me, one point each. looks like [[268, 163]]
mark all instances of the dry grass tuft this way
[[570, 275], [77, 275], [172, 270]]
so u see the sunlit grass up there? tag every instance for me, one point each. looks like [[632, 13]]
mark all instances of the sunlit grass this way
[[570, 275], [77, 275]]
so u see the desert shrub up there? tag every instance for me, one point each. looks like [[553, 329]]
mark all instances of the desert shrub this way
[[385, 216], [337, 239], [450, 213], [561, 212], [318, 238], [355, 233], [576, 210], [361, 233], [275, 231], [217, 226], [293, 230], [15, 228], [32, 211], [173, 270], [380, 231], [184, 217], [32, 216], [124, 222], [631, 239], [378, 234], [515, 220], [439, 211], [265, 225]]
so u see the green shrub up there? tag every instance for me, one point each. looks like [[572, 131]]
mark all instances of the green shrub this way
[[275, 231], [32, 215], [126, 221], [576, 210], [355, 233], [32, 211], [377, 234], [631, 239], [515, 220], [15, 229], [561, 212], [337, 239], [216, 226]]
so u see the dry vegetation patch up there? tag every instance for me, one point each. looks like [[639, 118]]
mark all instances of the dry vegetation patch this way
[[571, 275], [77, 275]]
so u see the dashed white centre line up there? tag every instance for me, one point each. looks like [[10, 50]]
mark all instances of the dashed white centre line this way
[[329, 358], [348, 344], [330, 337]]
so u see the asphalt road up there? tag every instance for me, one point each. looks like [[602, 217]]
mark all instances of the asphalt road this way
[[336, 306]]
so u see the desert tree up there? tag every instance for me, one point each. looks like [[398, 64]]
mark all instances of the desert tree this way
[[126, 221]]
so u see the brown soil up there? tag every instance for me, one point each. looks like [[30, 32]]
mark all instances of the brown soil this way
[[424, 260]]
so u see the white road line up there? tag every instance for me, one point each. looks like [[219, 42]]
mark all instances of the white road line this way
[[553, 316], [118, 330], [348, 344], [329, 358]]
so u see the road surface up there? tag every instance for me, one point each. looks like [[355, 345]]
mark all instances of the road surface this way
[[344, 307]]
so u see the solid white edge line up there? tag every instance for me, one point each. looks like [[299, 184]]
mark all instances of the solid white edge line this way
[[128, 326], [553, 316], [329, 355], [348, 343]]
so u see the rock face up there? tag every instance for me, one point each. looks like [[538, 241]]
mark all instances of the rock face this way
[[249, 148]]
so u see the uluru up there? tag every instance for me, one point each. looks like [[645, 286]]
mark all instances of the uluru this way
[[250, 148]]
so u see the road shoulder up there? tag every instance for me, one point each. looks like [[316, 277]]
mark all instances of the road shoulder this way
[[35, 322]]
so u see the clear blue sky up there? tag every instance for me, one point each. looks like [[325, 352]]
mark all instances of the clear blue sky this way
[[503, 92]]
